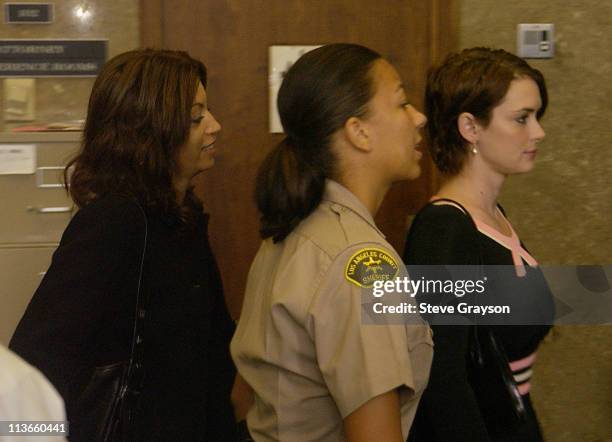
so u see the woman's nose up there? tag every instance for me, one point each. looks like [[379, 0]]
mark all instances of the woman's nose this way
[[419, 119], [215, 126]]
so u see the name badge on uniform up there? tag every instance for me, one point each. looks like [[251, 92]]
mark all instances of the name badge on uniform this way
[[369, 265]]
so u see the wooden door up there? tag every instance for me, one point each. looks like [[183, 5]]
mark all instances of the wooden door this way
[[232, 37]]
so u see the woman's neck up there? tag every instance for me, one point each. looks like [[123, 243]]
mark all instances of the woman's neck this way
[[476, 189], [370, 194], [180, 189]]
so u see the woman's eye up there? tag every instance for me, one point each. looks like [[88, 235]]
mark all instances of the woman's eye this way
[[405, 105], [197, 120], [522, 119]]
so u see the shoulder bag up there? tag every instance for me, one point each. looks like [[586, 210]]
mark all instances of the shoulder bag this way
[[108, 404]]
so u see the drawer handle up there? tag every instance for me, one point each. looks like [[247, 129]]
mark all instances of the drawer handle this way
[[40, 177], [42, 210]]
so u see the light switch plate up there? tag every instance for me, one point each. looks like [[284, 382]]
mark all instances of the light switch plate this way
[[281, 58], [535, 40]]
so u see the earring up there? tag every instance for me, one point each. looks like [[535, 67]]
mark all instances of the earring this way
[[474, 150]]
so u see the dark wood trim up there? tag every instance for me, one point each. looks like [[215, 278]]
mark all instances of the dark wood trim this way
[[444, 39], [151, 24], [444, 28]]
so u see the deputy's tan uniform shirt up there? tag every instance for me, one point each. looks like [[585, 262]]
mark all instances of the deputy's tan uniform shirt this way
[[300, 342]]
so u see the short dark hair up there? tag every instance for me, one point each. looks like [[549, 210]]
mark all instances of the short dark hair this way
[[475, 80], [319, 93], [138, 117]]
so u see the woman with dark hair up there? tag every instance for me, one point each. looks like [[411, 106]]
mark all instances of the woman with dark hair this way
[[484, 108], [140, 232], [316, 372]]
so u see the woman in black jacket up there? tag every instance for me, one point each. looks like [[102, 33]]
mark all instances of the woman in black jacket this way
[[140, 229], [484, 108]]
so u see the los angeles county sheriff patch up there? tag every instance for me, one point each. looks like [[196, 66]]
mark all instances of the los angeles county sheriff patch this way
[[369, 265]]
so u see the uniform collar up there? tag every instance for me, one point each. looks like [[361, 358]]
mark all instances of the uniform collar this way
[[336, 193]]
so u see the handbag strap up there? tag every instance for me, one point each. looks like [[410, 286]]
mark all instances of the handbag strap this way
[[476, 237], [469, 216], [137, 348]]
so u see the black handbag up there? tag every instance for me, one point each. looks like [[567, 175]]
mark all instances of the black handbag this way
[[489, 374], [108, 404], [500, 402]]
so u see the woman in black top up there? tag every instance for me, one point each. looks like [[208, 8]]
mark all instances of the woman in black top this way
[[148, 133], [484, 108]]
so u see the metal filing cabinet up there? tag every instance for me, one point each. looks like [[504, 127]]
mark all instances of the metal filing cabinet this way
[[34, 211]]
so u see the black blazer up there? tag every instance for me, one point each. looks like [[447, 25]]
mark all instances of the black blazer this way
[[82, 314]]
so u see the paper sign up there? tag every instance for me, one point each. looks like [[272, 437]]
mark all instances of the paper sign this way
[[52, 58], [17, 159], [281, 58], [30, 13]]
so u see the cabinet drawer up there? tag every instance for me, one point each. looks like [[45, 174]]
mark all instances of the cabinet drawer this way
[[21, 270], [35, 207]]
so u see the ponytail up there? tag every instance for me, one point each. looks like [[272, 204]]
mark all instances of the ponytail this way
[[319, 93], [288, 188]]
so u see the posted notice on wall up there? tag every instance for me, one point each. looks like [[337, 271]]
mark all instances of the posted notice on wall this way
[[52, 58], [17, 159]]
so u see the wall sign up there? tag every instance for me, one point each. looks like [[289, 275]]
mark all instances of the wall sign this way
[[17, 159], [52, 58], [28, 13], [281, 58]]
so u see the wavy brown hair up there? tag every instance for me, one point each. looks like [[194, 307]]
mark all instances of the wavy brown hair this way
[[138, 117]]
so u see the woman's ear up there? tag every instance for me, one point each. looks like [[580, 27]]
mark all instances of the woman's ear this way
[[356, 133], [468, 127]]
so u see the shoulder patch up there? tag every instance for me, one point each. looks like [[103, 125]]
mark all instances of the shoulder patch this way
[[369, 265]]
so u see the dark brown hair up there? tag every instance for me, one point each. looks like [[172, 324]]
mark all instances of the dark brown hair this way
[[138, 117], [322, 90], [475, 80]]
